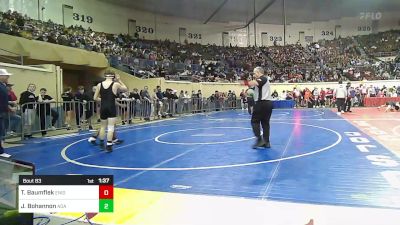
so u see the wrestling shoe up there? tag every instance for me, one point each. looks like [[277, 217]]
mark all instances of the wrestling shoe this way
[[117, 141], [259, 143], [267, 145], [92, 140], [109, 147]]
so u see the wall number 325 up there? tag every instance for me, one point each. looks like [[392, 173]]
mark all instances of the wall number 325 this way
[[82, 18]]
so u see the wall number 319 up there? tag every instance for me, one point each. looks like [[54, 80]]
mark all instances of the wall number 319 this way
[[82, 18]]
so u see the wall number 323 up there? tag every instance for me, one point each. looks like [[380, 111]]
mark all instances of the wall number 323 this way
[[82, 18]]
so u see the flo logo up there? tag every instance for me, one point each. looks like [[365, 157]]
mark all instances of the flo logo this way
[[370, 15]]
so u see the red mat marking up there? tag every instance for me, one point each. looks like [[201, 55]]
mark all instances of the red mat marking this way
[[378, 124]]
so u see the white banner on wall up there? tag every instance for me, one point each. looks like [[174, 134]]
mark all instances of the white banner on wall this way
[[238, 38], [309, 39]]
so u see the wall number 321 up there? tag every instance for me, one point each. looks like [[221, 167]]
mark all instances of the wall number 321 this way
[[82, 18]]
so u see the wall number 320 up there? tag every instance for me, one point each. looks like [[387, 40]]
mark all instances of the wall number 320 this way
[[82, 18]]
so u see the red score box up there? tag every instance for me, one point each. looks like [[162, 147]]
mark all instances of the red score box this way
[[106, 192]]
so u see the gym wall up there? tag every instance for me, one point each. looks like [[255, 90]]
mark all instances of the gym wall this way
[[45, 76]]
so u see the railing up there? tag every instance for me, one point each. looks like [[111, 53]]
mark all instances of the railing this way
[[11, 59], [64, 115], [41, 117], [145, 63], [385, 54]]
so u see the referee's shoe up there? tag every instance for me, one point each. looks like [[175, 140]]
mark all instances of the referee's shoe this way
[[260, 143]]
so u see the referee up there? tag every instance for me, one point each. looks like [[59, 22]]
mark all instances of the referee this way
[[263, 107]]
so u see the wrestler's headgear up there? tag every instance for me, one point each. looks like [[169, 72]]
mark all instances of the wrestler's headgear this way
[[109, 74]]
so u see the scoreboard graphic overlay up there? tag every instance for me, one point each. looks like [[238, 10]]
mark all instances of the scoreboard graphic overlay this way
[[66, 193]]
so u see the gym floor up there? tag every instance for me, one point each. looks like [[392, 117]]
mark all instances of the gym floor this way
[[317, 159]]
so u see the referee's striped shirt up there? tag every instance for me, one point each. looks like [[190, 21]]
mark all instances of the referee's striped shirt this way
[[263, 90]]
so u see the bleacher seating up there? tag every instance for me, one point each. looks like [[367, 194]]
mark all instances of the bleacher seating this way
[[322, 61]]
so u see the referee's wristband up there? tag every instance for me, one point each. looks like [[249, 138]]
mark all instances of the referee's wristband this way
[[246, 82]]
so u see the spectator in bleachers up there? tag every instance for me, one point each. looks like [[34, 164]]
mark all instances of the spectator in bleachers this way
[[123, 102], [243, 99], [250, 100], [147, 103], [194, 101], [199, 102], [388, 41], [28, 101], [186, 99], [275, 95], [297, 97], [4, 75], [44, 109], [93, 106], [136, 102], [180, 102], [82, 112], [322, 98], [159, 102], [283, 95], [372, 92], [315, 97], [166, 106], [289, 95], [68, 106], [217, 100], [291, 63], [14, 120], [308, 98]]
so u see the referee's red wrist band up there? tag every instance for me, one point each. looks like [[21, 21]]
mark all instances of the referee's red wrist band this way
[[246, 82]]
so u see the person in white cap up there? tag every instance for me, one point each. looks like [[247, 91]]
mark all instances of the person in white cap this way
[[4, 75]]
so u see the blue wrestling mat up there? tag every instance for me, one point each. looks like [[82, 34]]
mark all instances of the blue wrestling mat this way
[[312, 159]]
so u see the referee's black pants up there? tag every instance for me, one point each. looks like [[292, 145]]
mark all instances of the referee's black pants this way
[[262, 112], [340, 104]]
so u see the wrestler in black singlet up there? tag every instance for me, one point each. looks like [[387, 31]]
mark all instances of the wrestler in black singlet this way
[[107, 108]]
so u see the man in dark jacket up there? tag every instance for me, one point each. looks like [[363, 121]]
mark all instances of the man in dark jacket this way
[[27, 101], [4, 75], [82, 105], [135, 105], [44, 109]]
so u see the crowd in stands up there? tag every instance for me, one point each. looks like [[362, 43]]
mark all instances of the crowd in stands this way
[[318, 62], [289, 55], [388, 41], [315, 97], [338, 52]]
